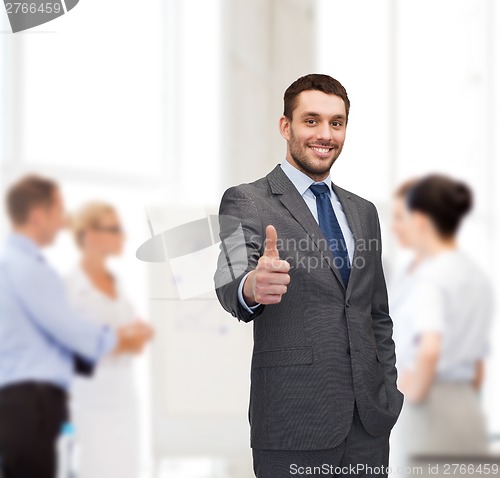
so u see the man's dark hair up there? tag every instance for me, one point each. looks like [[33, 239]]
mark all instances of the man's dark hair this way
[[27, 193], [317, 82]]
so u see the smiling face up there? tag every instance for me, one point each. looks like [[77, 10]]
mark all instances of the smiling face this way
[[316, 133]]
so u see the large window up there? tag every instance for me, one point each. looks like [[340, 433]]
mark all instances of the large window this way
[[89, 90], [118, 101]]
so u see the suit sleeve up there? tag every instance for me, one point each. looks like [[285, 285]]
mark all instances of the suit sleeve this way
[[241, 234], [381, 320]]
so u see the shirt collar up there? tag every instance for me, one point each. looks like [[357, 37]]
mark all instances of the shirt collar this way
[[26, 244], [302, 181]]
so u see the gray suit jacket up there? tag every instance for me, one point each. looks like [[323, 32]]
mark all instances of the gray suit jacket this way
[[323, 347]]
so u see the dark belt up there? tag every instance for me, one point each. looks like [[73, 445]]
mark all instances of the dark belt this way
[[35, 387]]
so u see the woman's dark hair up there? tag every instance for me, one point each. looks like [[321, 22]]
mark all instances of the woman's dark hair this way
[[445, 200], [404, 188]]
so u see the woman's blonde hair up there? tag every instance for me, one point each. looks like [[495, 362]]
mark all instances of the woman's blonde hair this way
[[88, 217]]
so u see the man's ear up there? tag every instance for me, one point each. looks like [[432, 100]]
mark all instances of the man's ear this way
[[36, 215], [284, 125]]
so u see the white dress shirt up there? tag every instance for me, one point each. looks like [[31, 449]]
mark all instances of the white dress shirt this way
[[302, 182]]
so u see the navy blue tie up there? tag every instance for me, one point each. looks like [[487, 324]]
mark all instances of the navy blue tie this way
[[330, 227]]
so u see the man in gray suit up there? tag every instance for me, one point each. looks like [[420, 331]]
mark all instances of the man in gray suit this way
[[301, 258]]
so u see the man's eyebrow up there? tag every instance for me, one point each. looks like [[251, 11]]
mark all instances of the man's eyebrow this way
[[312, 114]]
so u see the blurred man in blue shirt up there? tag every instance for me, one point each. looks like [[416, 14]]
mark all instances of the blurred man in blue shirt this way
[[42, 338]]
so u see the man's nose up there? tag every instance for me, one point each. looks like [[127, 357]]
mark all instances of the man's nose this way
[[324, 131]]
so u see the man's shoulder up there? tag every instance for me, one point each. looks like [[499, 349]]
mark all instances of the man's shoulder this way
[[24, 267], [253, 190], [15, 256], [355, 197]]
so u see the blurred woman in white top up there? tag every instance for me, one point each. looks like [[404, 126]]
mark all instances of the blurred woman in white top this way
[[442, 312], [104, 407]]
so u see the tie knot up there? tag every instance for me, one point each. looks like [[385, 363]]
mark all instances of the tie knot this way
[[319, 189]]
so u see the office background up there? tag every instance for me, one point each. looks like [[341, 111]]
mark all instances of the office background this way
[[157, 107]]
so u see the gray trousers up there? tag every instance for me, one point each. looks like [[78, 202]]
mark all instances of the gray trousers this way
[[360, 454]]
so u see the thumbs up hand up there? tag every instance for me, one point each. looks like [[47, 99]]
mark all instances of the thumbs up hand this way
[[267, 283]]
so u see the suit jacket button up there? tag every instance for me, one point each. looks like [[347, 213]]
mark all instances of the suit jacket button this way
[[233, 313], [348, 304]]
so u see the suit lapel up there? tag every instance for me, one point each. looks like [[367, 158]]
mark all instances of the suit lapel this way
[[296, 206]]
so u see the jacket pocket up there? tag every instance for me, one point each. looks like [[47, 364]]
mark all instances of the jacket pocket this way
[[282, 357]]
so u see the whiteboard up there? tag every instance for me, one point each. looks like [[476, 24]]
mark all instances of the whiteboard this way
[[200, 359]]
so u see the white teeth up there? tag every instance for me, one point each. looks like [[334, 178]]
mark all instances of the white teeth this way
[[321, 150]]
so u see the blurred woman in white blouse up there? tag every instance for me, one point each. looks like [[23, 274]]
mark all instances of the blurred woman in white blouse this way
[[442, 310], [105, 406]]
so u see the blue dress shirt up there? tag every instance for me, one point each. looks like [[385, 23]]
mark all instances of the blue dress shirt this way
[[302, 182], [39, 330]]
